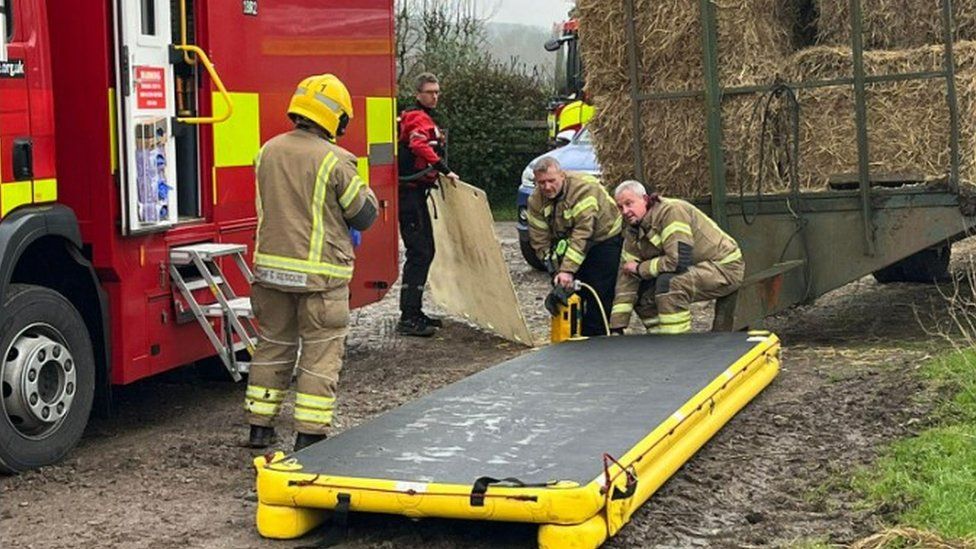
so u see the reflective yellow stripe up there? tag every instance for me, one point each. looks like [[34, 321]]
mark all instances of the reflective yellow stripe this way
[[670, 329], [737, 254], [302, 266], [113, 146], [547, 210], [45, 190], [379, 120], [622, 308], [266, 394], [655, 239], [257, 190], [676, 227], [653, 321], [351, 191], [615, 228], [362, 168], [14, 195], [675, 318], [237, 139], [313, 416], [630, 257], [575, 256], [583, 205], [318, 207], [654, 267], [314, 401], [262, 408], [535, 221]]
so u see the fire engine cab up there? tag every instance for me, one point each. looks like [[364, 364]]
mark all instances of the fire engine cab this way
[[128, 131]]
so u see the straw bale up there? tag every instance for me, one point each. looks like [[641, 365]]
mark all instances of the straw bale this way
[[908, 121], [754, 36], [893, 24]]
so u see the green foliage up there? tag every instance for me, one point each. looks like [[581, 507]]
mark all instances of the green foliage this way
[[485, 102], [931, 479]]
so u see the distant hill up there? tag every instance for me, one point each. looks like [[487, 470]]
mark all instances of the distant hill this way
[[507, 40]]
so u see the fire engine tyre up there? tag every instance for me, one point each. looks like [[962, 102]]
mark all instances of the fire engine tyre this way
[[529, 255], [47, 376], [927, 266]]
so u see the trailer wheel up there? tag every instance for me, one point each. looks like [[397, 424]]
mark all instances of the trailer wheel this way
[[929, 265], [47, 377]]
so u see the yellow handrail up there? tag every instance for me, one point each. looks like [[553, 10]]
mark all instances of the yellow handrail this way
[[202, 56], [186, 56]]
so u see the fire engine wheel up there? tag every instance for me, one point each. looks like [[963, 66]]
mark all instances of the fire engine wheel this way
[[47, 377]]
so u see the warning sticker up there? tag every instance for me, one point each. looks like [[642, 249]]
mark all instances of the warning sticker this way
[[150, 87]]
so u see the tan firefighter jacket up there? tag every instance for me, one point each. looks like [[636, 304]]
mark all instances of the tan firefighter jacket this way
[[308, 197], [673, 235], [582, 215]]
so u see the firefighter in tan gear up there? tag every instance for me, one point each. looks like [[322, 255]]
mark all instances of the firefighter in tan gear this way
[[309, 196], [673, 255], [574, 228]]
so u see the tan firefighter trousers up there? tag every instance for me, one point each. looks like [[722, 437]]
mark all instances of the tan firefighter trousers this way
[[669, 312], [309, 328]]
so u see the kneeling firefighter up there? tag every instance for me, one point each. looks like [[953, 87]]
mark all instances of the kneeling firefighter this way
[[673, 255], [309, 200]]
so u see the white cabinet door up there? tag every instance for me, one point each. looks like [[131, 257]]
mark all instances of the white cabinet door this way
[[146, 107]]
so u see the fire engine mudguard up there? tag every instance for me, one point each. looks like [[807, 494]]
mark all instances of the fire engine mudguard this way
[[574, 437]]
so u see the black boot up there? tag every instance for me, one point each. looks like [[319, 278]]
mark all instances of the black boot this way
[[415, 326], [261, 437], [303, 440]]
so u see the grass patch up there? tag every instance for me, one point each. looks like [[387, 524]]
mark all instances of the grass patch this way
[[930, 479], [504, 212]]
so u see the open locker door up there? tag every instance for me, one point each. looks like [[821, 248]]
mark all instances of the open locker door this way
[[146, 104]]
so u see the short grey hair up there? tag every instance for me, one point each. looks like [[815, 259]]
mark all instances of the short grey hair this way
[[543, 164], [631, 185], [423, 79]]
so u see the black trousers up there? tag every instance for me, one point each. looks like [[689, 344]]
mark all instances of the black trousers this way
[[418, 239], [599, 270]]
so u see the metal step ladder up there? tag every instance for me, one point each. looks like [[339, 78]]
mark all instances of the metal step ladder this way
[[239, 330]]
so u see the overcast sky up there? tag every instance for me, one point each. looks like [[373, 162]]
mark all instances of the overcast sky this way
[[541, 13]]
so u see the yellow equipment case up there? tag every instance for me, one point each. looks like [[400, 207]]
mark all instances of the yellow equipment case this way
[[574, 437]]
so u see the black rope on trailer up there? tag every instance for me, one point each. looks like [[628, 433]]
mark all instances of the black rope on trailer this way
[[772, 128]]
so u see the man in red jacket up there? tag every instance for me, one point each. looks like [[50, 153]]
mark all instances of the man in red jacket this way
[[421, 152]]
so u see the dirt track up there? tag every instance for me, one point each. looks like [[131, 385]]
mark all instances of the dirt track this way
[[168, 470]]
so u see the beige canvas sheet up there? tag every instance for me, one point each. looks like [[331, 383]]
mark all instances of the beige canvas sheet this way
[[469, 276]]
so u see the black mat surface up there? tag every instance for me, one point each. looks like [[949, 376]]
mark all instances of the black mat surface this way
[[547, 415]]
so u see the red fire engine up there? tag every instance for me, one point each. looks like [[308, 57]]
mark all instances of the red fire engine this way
[[128, 130]]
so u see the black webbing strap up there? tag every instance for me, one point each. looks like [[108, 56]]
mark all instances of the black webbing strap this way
[[338, 527], [481, 487]]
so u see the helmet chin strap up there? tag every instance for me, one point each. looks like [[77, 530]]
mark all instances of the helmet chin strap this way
[[343, 122]]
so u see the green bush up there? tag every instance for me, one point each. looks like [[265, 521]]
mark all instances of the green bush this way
[[485, 102]]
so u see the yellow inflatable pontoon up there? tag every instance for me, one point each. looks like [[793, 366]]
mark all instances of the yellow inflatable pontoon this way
[[574, 437]]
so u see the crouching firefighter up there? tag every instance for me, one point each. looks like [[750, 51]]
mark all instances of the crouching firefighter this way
[[309, 196], [574, 228], [673, 255]]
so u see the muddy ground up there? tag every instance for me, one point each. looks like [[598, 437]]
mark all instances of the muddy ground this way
[[169, 470]]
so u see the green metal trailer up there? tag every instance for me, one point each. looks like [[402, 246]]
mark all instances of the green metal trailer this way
[[801, 244]]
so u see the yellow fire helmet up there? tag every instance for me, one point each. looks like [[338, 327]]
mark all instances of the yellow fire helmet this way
[[323, 99]]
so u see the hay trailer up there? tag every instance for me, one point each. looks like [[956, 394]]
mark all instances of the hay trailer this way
[[800, 242]]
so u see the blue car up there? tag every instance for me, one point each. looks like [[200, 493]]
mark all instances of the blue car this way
[[577, 156]]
